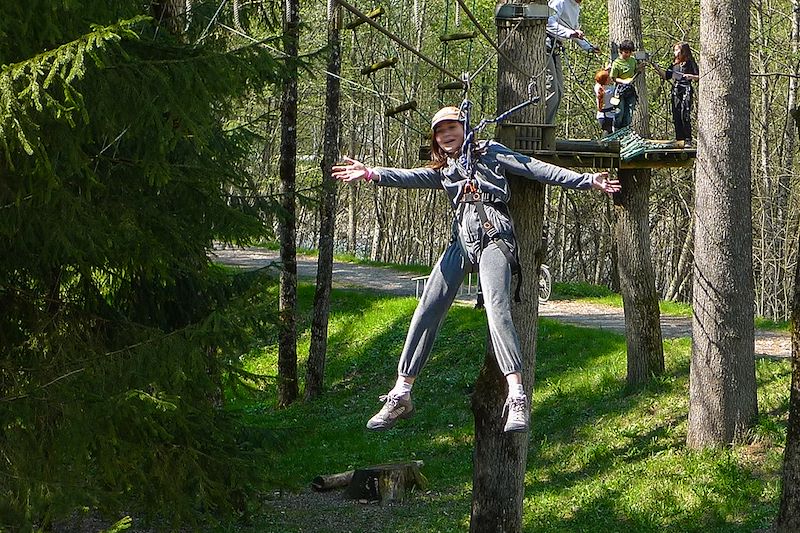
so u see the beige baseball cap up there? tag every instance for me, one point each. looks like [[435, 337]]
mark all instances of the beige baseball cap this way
[[444, 114]]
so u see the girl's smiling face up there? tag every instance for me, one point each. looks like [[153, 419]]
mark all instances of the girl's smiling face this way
[[676, 50], [449, 136]]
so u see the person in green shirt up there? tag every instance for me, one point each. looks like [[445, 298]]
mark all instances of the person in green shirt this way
[[623, 72]]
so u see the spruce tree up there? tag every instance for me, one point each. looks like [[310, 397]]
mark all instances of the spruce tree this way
[[117, 155]]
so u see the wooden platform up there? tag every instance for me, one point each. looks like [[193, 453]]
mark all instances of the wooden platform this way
[[580, 153], [585, 153], [623, 148]]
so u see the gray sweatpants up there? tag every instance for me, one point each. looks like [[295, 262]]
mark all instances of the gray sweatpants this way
[[554, 87], [440, 291]]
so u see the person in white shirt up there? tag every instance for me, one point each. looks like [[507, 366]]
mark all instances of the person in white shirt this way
[[563, 24], [604, 91]]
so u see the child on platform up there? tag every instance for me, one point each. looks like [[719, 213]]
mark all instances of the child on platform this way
[[604, 92], [623, 72], [682, 72], [483, 236]]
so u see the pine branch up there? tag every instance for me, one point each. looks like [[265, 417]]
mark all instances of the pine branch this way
[[27, 86]]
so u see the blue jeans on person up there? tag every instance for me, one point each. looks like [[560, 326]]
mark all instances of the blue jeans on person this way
[[627, 103]]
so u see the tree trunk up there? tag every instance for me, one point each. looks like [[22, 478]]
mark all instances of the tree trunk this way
[[632, 232], [791, 100], [352, 192], [789, 513], [315, 368], [500, 459], [684, 267], [287, 335], [172, 15], [637, 279], [559, 241], [722, 386]]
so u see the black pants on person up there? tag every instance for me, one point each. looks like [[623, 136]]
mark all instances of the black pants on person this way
[[682, 111]]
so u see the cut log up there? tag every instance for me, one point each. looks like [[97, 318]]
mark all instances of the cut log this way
[[408, 106], [332, 481], [387, 483], [375, 13], [369, 69]]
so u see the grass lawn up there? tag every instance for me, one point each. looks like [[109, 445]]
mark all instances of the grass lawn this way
[[602, 457]]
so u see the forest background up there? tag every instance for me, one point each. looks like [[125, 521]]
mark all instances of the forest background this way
[[131, 139]]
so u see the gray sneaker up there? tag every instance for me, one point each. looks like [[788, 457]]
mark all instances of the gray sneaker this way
[[518, 414], [395, 408]]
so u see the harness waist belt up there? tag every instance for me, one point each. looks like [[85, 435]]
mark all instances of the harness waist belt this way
[[474, 197]]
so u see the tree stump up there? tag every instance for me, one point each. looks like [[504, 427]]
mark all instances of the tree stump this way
[[388, 483]]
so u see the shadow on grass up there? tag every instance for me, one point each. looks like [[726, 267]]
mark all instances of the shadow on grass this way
[[615, 455], [593, 439]]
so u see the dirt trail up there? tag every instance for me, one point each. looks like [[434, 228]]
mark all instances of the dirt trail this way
[[773, 344]]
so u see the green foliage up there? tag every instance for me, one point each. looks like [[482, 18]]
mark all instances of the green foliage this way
[[116, 337], [413, 268], [563, 291], [766, 323], [347, 257], [602, 456]]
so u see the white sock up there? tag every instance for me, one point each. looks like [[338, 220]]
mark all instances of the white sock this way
[[401, 387], [516, 391]]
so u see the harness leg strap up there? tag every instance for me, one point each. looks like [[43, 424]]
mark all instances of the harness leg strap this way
[[491, 232]]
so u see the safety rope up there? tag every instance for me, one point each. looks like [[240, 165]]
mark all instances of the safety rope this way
[[465, 114], [469, 50], [443, 59], [210, 23]]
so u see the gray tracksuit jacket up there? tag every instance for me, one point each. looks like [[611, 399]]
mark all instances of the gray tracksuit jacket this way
[[491, 168], [466, 249]]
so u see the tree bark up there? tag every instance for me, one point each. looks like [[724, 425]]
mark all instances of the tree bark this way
[[791, 100], [684, 267], [389, 483], [332, 481], [287, 335], [722, 385], [172, 15], [315, 368], [632, 233], [500, 459], [789, 513]]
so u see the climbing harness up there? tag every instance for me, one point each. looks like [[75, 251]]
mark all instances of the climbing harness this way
[[467, 150], [472, 193]]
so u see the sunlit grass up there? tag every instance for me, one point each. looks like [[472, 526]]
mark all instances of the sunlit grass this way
[[602, 457]]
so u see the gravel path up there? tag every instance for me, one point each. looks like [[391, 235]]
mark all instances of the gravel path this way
[[772, 344]]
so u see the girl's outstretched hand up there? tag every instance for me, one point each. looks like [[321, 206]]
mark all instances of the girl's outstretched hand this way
[[602, 182], [352, 171]]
